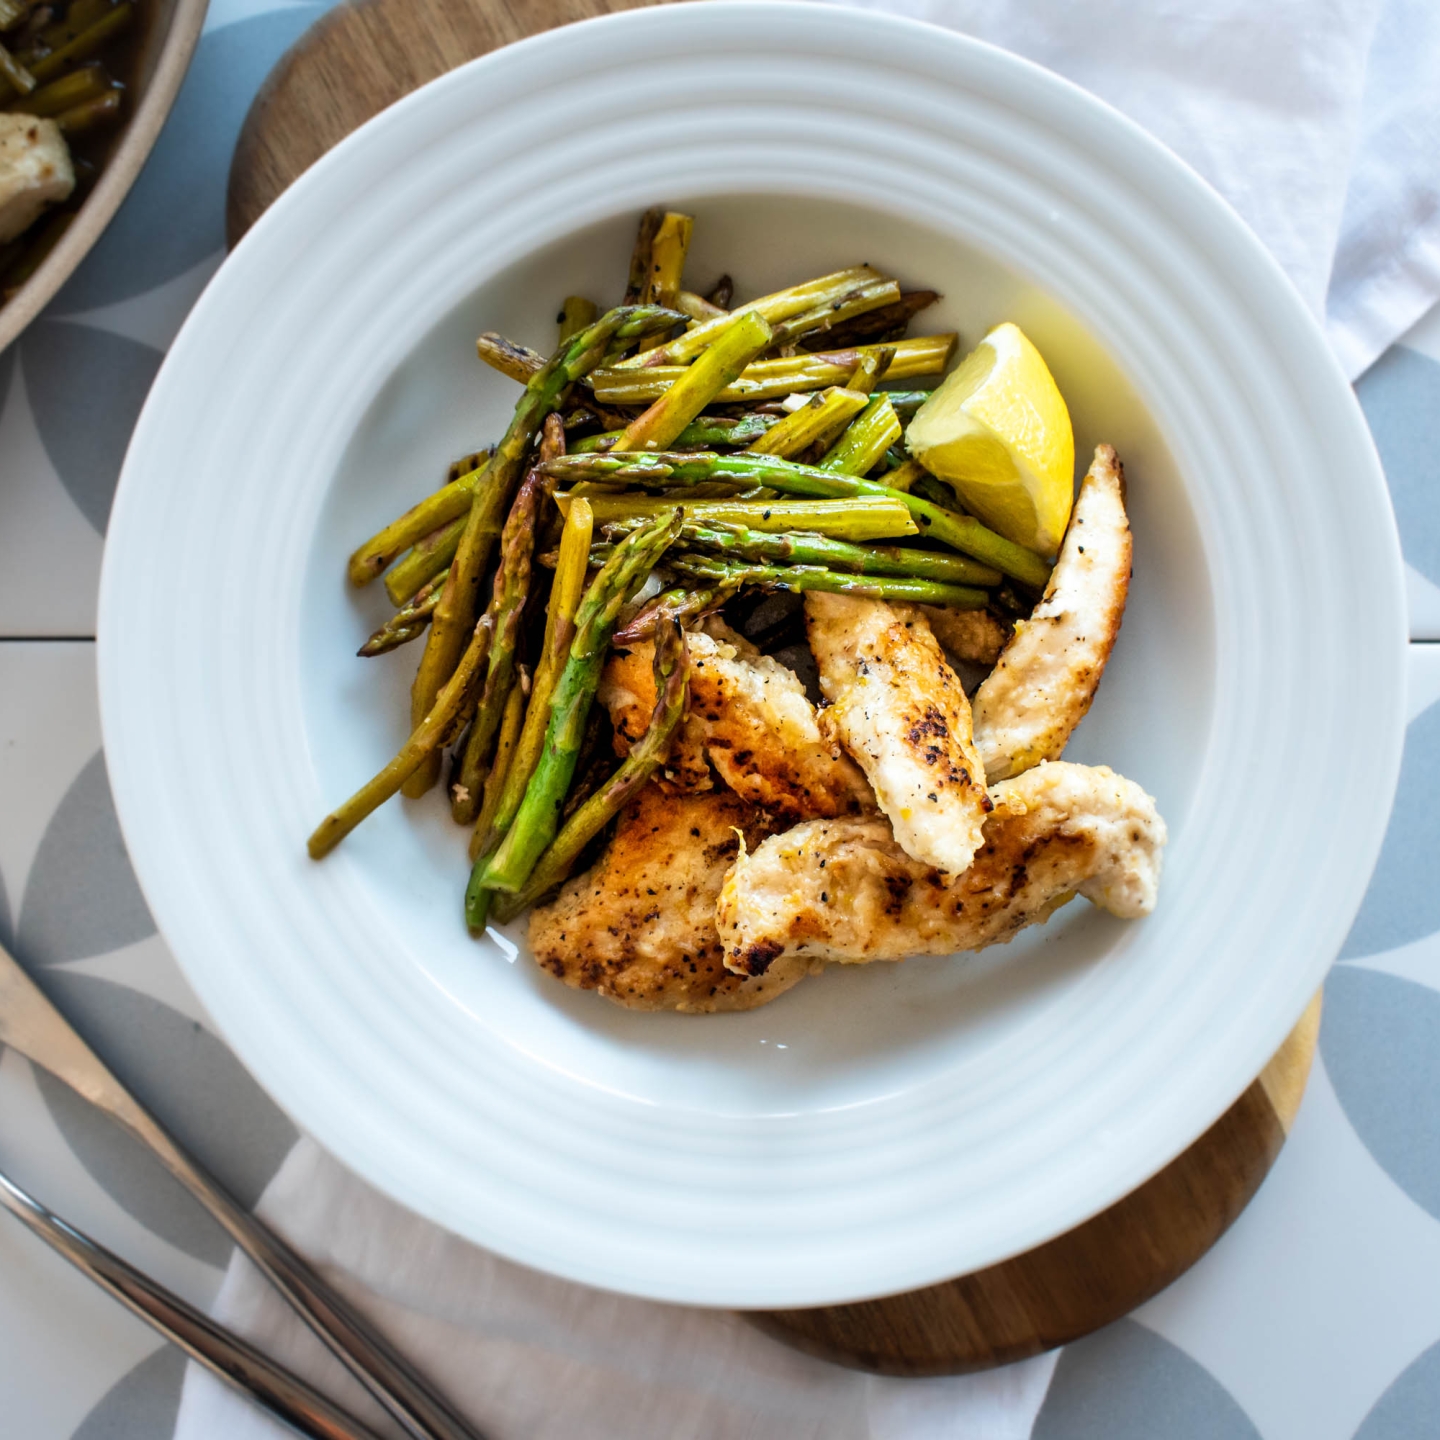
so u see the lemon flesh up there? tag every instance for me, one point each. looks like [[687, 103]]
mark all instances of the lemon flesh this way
[[998, 433]]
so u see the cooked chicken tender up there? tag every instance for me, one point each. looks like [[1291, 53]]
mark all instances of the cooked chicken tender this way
[[749, 716], [901, 711], [844, 889], [639, 926], [1045, 679], [35, 171], [975, 636]]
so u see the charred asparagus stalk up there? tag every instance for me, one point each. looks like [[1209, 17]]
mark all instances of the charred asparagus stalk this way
[[883, 323], [517, 361], [873, 431], [641, 255], [506, 609], [960, 532], [774, 379], [702, 433], [739, 542], [537, 820], [714, 570], [565, 594], [672, 693], [782, 305], [408, 621]]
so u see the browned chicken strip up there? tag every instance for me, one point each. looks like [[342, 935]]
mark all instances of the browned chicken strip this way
[[901, 711], [750, 718], [1046, 677], [844, 890], [639, 926]]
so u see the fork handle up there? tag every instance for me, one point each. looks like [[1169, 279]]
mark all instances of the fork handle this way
[[221, 1351]]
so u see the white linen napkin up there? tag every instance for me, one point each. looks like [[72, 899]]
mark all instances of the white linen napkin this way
[[534, 1358], [1319, 120]]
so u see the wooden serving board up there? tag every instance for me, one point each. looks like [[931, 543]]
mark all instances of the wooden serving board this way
[[355, 61]]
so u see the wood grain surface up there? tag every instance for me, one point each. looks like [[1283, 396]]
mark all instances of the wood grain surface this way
[[364, 56]]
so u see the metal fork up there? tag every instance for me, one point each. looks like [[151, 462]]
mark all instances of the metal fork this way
[[34, 1027]]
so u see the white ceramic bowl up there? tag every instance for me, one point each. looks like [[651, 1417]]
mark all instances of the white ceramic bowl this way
[[879, 1128]]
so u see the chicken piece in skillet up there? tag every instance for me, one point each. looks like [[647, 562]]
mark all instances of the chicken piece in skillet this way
[[900, 710], [844, 889], [750, 718], [639, 926], [1046, 677]]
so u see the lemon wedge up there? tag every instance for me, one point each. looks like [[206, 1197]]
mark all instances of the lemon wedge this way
[[997, 431]]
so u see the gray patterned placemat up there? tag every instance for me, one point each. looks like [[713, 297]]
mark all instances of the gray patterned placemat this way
[[1316, 1318]]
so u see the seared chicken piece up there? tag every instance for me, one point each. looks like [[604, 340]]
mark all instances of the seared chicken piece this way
[[639, 926], [749, 716], [35, 171], [844, 890], [901, 711], [975, 636], [1045, 679]]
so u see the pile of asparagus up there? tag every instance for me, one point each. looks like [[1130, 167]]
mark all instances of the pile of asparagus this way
[[670, 455]]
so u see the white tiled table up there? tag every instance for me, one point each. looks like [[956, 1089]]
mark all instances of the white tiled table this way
[[1316, 1318]]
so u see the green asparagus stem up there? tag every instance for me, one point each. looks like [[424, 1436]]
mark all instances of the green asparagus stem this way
[[716, 368], [537, 820], [430, 557], [427, 738], [575, 314], [762, 547], [672, 693], [815, 577], [566, 591], [870, 435], [861, 517], [703, 433], [459, 602], [683, 604], [451, 502], [640, 256], [774, 379], [408, 621], [509, 737], [782, 305], [960, 532], [807, 426], [937, 492], [517, 361], [506, 610]]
